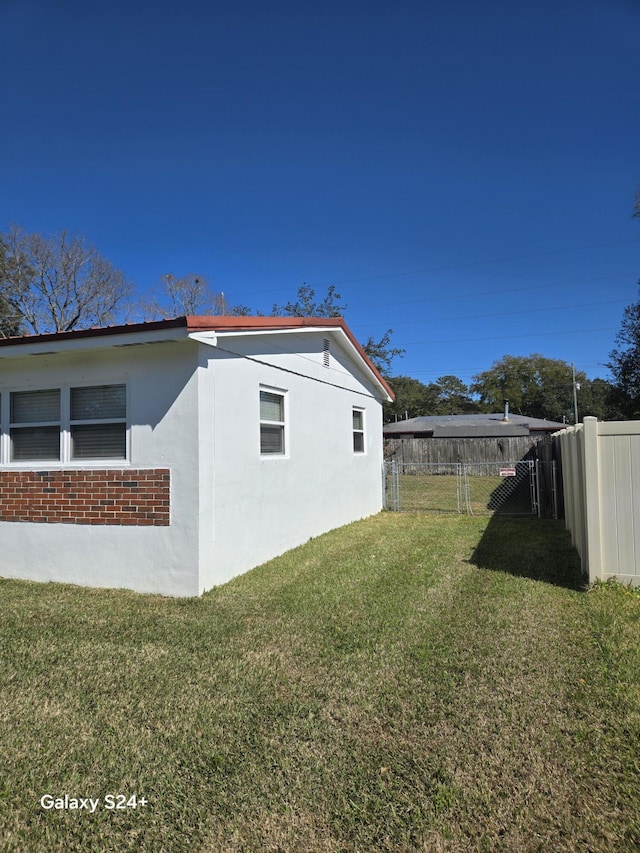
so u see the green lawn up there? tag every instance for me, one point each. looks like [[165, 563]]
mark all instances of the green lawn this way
[[481, 495], [406, 683]]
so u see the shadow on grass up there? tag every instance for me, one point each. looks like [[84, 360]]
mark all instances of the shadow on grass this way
[[530, 547]]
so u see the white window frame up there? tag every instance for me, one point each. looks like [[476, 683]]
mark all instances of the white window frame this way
[[64, 425], [11, 425], [283, 424], [359, 432]]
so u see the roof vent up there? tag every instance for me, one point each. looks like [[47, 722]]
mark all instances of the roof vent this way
[[506, 412], [325, 351]]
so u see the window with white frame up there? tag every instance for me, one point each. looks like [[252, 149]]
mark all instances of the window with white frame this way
[[98, 424], [34, 428], [358, 430], [64, 424], [272, 422]]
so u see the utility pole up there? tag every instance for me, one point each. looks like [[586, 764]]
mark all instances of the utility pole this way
[[576, 387]]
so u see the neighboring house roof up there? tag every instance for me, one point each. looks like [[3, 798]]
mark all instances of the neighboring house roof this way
[[470, 426], [193, 325]]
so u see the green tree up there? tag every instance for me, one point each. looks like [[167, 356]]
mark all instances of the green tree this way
[[306, 306], [413, 399], [454, 397], [448, 395], [624, 359], [597, 397], [535, 386], [382, 353], [624, 362], [379, 351]]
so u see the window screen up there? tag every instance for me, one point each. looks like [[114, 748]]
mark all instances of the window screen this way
[[28, 407], [91, 419], [271, 423], [98, 441], [107, 440], [35, 442], [271, 406], [98, 402], [358, 431]]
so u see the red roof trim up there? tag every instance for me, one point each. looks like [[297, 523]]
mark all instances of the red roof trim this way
[[207, 323], [96, 332]]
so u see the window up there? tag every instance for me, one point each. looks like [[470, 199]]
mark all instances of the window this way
[[41, 438], [272, 423], [98, 422], [63, 424], [358, 430]]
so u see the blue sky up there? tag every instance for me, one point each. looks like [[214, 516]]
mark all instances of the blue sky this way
[[462, 170]]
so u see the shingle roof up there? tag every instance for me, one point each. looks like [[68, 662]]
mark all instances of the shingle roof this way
[[468, 426]]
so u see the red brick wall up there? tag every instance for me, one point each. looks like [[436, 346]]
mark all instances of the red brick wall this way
[[130, 497]]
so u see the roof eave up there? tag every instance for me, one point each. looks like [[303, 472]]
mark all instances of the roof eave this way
[[179, 328]]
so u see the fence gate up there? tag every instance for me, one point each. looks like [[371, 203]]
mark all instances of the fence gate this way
[[474, 488]]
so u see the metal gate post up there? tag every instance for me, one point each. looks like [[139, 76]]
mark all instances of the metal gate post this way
[[395, 487], [467, 499], [385, 501], [533, 488], [537, 481]]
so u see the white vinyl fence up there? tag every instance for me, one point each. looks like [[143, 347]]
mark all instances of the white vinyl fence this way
[[601, 481]]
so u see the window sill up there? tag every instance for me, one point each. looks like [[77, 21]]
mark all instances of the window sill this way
[[75, 464]]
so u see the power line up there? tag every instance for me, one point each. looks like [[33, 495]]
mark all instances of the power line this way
[[476, 263], [546, 308], [466, 265], [563, 332], [294, 372], [464, 376]]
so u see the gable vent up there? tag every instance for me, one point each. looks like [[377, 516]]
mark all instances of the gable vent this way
[[325, 351]]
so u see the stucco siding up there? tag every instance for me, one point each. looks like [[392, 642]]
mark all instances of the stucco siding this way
[[161, 399], [267, 505], [211, 505]]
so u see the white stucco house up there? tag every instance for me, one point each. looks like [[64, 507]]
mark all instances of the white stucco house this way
[[170, 456]]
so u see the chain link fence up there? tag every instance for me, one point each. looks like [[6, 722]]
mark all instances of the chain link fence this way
[[524, 487]]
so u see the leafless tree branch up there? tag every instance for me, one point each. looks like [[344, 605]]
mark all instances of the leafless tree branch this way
[[60, 283]]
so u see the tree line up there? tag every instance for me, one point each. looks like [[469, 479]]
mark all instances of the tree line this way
[[535, 386], [61, 283]]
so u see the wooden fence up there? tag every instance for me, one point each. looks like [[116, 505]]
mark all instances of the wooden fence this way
[[601, 480], [454, 450]]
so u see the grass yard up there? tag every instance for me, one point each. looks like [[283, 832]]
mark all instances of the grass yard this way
[[407, 683], [431, 493], [450, 493]]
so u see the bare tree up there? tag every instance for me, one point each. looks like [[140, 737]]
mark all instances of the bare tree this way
[[10, 322], [187, 295], [59, 283]]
